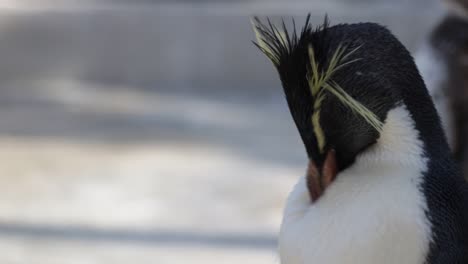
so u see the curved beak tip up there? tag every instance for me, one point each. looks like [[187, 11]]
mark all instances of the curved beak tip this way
[[318, 179]]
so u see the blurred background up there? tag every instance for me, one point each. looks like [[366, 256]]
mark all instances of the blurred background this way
[[153, 131]]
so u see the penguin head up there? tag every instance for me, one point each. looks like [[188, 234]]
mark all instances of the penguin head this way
[[339, 82]]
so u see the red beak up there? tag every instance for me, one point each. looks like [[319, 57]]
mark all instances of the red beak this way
[[319, 179]]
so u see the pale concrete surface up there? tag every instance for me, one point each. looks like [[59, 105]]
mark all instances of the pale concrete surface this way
[[180, 46], [151, 133], [97, 177]]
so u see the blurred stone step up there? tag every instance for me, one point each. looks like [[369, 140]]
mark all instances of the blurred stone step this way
[[171, 46]]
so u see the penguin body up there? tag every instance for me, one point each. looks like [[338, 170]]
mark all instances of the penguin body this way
[[372, 194], [373, 212]]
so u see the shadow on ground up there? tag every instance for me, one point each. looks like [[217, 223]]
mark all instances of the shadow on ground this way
[[151, 237]]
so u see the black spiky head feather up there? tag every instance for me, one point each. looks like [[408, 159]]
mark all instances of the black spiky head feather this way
[[347, 107]]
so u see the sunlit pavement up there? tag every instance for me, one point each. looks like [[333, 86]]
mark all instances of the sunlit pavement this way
[[116, 177]]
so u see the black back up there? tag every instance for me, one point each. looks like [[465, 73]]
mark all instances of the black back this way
[[450, 41], [447, 192]]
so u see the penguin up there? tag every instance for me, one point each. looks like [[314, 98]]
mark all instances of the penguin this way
[[381, 185], [443, 62]]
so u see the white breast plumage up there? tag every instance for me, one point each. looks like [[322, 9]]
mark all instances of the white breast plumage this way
[[373, 213]]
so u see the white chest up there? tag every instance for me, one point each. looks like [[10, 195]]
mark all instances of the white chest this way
[[372, 213], [368, 225]]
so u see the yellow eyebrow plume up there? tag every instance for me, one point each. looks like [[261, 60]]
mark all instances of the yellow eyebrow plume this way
[[280, 46], [320, 81]]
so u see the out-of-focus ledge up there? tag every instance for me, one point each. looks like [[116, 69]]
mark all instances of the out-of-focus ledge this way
[[361, 8]]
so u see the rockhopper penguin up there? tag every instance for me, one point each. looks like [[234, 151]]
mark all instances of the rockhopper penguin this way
[[381, 185]]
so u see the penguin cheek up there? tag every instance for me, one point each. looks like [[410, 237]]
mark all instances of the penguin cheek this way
[[349, 137]]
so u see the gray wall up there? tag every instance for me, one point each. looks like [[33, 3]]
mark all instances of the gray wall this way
[[193, 46]]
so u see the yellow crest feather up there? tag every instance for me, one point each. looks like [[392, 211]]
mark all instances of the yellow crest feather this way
[[280, 35], [319, 81]]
